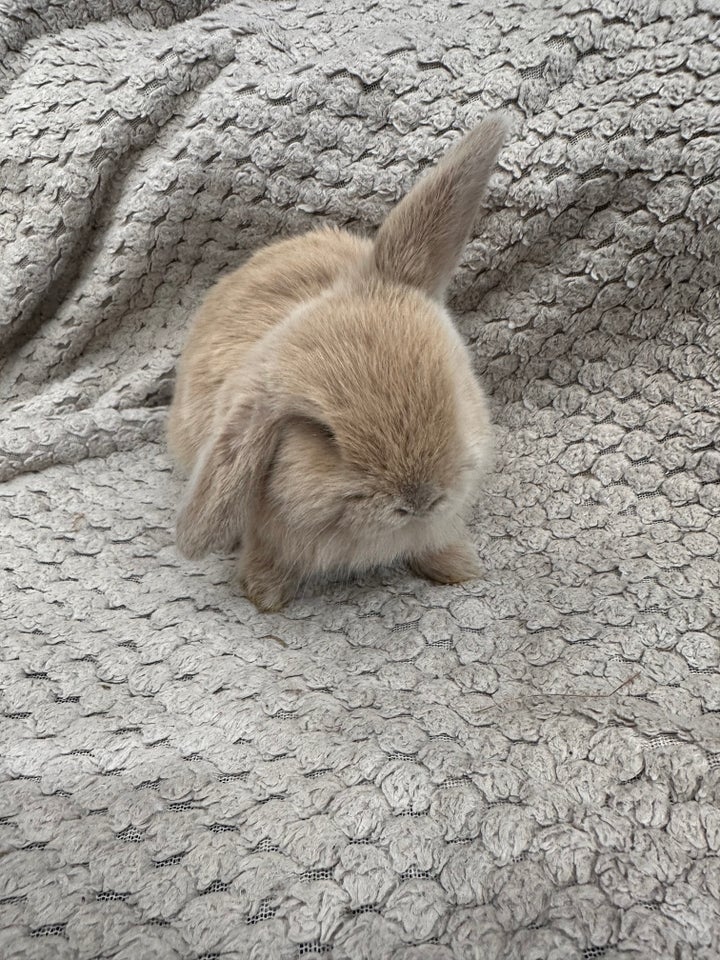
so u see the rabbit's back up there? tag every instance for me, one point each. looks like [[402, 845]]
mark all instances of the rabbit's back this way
[[238, 311]]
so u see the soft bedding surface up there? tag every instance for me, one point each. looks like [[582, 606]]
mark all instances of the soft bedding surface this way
[[525, 767]]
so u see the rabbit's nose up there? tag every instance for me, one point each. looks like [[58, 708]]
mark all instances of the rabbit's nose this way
[[421, 499]]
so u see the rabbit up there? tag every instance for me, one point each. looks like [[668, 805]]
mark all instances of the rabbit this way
[[326, 408]]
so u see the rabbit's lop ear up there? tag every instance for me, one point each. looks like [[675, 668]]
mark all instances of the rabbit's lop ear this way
[[225, 482], [422, 240]]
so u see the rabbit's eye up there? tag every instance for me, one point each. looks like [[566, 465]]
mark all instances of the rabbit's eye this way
[[325, 430], [403, 511], [322, 429], [357, 497]]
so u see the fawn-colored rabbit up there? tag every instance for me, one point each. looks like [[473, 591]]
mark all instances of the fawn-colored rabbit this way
[[326, 407]]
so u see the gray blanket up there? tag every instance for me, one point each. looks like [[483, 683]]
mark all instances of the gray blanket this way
[[527, 767]]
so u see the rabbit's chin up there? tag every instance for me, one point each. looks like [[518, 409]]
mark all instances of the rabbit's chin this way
[[326, 547], [354, 549]]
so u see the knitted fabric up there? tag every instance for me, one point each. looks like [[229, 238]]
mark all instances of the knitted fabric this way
[[525, 767]]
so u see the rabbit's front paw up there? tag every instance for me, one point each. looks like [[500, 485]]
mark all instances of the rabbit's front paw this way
[[453, 564], [266, 586]]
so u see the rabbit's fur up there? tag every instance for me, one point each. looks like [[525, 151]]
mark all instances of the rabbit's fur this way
[[326, 407]]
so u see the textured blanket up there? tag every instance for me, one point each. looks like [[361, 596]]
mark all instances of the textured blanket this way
[[527, 767]]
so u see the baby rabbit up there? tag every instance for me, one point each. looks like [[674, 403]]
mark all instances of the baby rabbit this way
[[326, 407]]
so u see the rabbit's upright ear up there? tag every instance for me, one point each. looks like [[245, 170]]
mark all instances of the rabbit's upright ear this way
[[226, 480], [422, 240]]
